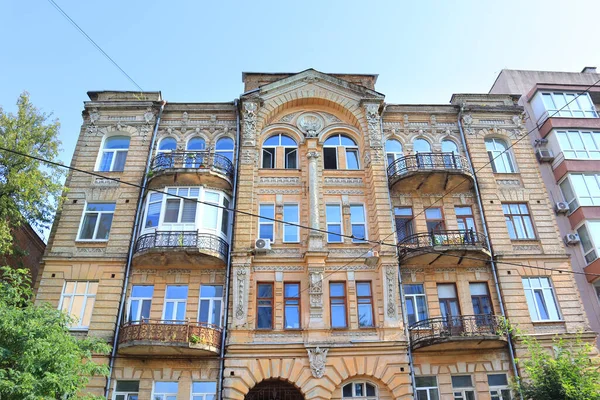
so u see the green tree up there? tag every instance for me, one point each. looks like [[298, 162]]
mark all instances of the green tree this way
[[29, 190], [39, 358], [565, 372]]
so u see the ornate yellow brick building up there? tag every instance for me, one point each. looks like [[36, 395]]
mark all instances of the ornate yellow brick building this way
[[410, 233]]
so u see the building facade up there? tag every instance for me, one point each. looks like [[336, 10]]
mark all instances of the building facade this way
[[373, 252], [567, 143]]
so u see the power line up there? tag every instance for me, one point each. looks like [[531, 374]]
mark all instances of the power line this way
[[64, 14]]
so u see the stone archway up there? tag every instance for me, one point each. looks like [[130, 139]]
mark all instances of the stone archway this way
[[274, 389]]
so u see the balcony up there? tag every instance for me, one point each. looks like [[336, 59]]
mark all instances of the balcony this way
[[461, 332], [191, 168], [171, 248], [169, 338], [431, 173], [457, 247]]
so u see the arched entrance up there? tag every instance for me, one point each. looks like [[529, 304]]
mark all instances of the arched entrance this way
[[273, 389]]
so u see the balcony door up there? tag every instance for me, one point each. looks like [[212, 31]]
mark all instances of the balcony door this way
[[435, 225], [482, 304], [450, 307], [466, 223]]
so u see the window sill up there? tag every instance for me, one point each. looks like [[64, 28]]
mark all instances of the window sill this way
[[549, 322], [90, 241], [535, 241]]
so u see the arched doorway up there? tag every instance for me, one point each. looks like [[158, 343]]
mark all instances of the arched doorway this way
[[273, 389]]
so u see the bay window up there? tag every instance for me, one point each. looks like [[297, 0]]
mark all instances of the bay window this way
[[577, 144], [581, 190], [589, 234], [563, 104]]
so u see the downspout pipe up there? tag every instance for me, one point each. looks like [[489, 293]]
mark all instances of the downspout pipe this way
[[489, 244], [400, 287], [228, 270], [134, 234]]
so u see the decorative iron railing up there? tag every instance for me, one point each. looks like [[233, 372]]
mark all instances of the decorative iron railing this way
[[182, 239], [193, 160], [171, 331], [447, 238], [427, 162], [435, 330]]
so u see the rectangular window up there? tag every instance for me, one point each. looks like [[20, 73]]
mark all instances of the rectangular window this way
[[140, 302], [153, 210], [264, 305], [268, 157], [96, 222], [291, 294], [77, 300], [225, 218], [434, 219], [518, 221], [581, 190], [127, 390], [499, 389], [165, 391], [364, 299], [462, 387], [427, 388], [211, 304], [291, 156], [359, 226], [540, 299], [210, 218], [291, 233], [204, 390], [464, 218], [572, 105], [404, 223], [175, 304], [450, 307], [583, 145], [181, 211], [330, 157], [334, 223], [337, 300], [416, 303], [589, 234], [266, 226], [480, 297]]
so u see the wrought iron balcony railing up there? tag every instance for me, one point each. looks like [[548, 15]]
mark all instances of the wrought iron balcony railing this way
[[435, 330], [452, 239], [171, 332], [182, 239], [193, 160], [423, 162]]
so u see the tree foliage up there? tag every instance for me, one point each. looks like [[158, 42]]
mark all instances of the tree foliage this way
[[39, 358], [566, 371], [29, 189]]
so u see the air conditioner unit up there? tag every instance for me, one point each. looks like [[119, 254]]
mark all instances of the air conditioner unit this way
[[544, 155], [262, 245], [571, 239], [561, 207]]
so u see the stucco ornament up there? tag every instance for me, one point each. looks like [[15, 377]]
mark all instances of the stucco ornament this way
[[468, 120], [373, 126], [310, 124], [317, 359], [250, 116]]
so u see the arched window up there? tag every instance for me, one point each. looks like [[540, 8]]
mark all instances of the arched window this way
[[421, 146], [196, 144], [393, 150], [166, 145], [422, 149], [224, 147], [194, 156], [448, 146], [288, 149], [359, 390], [499, 156], [114, 153], [450, 150], [340, 152], [163, 157]]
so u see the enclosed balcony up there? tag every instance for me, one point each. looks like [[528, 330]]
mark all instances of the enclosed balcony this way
[[481, 331], [431, 173], [191, 168], [169, 338], [172, 248], [457, 247]]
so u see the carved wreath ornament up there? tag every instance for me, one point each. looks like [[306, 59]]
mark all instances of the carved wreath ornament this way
[[317, 359]]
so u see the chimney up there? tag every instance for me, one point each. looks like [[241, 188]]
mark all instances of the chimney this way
[[588, 70]]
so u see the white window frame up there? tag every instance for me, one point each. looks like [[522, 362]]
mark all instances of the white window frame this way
[[211, 305], [363, 223], [163, 394], [414, 300], [576, 201], [341, 223], [279, 146], [503, 156], [595, 244], [460, 393], [126, 394], [202, 395], [114, 151], [158, 151], [291, 227], [176, 303], [570, 109], [529, 235], [86, 297], [394, 154], [353, 148], [267, 222], [427, 388], [548, 294], [141, 299], [496, 390], [100, 213], [364, 397], [572, 153]]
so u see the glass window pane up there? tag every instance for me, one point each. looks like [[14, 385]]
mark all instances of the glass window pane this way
[[497, 380], [196, 144], [210, 217], [142, 291], [165, 387], [460, 381], [128, 386], [117, 142], [433, 213], [265, 290], [287, 141], [204, 387], [267, 210], [352, 159], [172, 210], [266, 232], [337, 289], [347, 390], [104, 226], [177, 292], [87, 312], [357, 214], [167, 144], [333, 213], [268, 158], [425, 381], [393, 146], [421, 146], [292, 290], [224, 144], [330, 157], [346, 141], [363, 289], [88, 226], [120, 159], [414, 289]]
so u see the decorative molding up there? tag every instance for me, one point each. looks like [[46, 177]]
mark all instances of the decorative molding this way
[[352, 267], [103, 182], [90, 250], [279, 180], [313, 156], [445, 270], [291, 335], [288, 117], [374, 128], [317, 359], [508, 182], [345, 191], [310, 124], [527, 247], [240, 294], [477, 269], [334, 181], [315, 290], [249, 117], [354, 334], [390, 274], [283, 268], [279, 191], [346, 253]]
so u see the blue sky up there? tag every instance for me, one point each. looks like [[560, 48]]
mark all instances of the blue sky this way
[[196, 51]]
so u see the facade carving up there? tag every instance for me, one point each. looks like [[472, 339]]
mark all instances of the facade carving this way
[[317, 358]]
